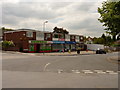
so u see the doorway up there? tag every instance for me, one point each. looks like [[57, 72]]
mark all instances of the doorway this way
[[37, 48]]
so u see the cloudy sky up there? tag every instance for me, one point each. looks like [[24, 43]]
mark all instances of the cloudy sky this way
[[78, 17]]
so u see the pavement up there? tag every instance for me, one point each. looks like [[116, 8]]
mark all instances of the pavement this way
[[114, 58], [54, 53]]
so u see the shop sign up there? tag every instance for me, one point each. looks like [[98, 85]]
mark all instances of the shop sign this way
[[59, 42], [55, 39], [61, 39], [67, 39], [37, 42], [69, 42], [49, 41]]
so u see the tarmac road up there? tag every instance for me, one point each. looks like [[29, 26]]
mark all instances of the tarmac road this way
[[80, 71], [26, 63]]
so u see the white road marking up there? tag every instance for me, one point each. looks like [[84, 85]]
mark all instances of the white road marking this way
[[72, 70], [59, 71], [95, 71], [88, 72], [101, 72], [75, 71], [46, 66], [109, 71]]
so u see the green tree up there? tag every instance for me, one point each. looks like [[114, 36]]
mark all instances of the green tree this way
[[7, 44], [60, 30], [103, 36], [110, 17], [105, 40], [5, 29], [99, 41]]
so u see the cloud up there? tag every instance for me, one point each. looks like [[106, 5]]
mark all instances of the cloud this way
[[29, 10], [77, 17]]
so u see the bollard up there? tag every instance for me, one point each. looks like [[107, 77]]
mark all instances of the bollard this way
[[86, 50], [69, 51]]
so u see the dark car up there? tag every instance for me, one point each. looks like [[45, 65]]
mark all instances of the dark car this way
[[101, 51]]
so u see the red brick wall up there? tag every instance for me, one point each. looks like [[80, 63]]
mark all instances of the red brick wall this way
[[19, 39]]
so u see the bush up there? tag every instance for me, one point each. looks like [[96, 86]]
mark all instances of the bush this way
[[6, 44]]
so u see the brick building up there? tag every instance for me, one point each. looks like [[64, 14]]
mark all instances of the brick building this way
[[37, 41]]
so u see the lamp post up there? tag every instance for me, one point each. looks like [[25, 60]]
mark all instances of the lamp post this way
[[43, 32], [44, 25]]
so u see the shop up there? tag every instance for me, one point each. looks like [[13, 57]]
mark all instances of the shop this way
[[33, 41], [69, 45], [58, 46], [81, 45], [40, 46]]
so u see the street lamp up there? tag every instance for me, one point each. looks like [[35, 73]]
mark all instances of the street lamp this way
[[44, 25], [44, 30]]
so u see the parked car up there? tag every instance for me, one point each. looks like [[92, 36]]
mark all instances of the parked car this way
[[101, 51]]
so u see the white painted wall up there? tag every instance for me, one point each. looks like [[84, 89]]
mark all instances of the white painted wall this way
[[94, 46]]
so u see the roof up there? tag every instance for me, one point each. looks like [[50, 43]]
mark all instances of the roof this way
[[23, 29], [20, 30], [32, 30]]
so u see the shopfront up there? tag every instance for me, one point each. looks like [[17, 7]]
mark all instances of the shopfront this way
[[69, 45], [81, 45], [40, 46], [58, 45]]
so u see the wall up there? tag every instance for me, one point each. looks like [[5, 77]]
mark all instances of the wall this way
[[19, 38], [94, 46]]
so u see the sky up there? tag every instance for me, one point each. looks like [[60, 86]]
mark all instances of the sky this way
[[77, 16]]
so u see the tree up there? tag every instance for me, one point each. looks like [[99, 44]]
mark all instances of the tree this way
[[6, 29], [105, 40], [7, 44], [103, 36], [110, 17], [99, 41], [60, 30]]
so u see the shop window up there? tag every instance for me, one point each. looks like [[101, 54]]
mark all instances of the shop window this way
[[55, 35], [57, 47], [72, 37], [29, 34], [67, 36], [31, 47], [48, 47], [39, 36], [48, 37], [77, 37], [61, 36], [45, 47]]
